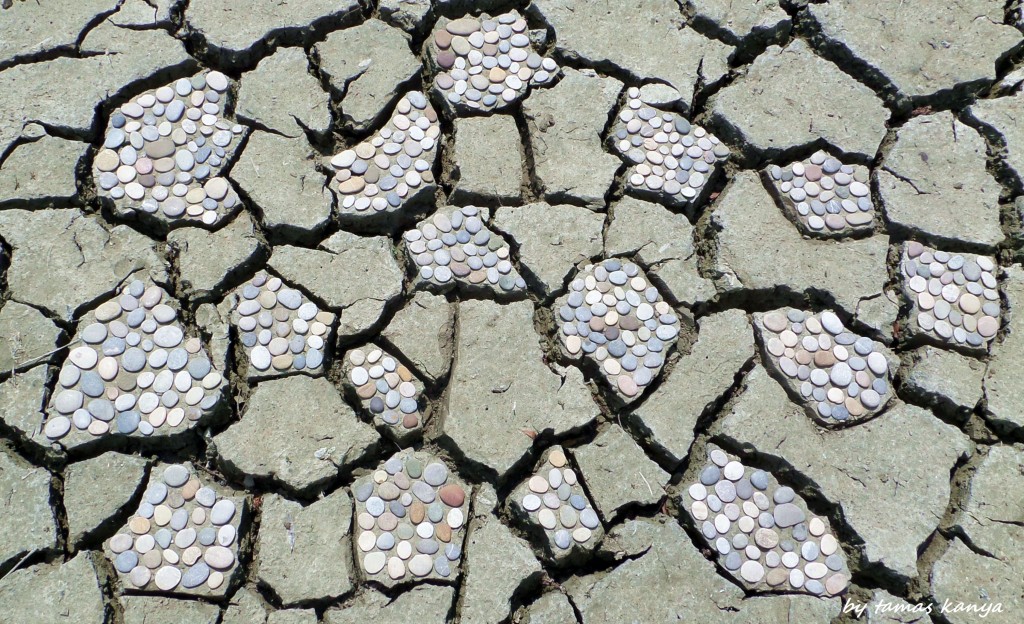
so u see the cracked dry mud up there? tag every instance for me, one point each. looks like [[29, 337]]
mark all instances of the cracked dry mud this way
[[511, 311]]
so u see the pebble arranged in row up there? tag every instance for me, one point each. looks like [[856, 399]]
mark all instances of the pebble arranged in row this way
[[839, 375], [671, 159], [616, 318], [824, 196], [763, 533], [458, 249], [386, 388], [411, 516], [953, 297], [280, 329], [183, 538], [484, 63], [553, 502], [164, 148], [391, 168], [135, 371]]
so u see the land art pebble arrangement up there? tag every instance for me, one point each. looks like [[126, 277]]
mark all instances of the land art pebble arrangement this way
[[953, 297], [183, 538], [824, 196], [553, 502], [391, 168], [458, 249], [260, 362], [411, 521], [671, 159], [484, 63], [135, 372], [164, 148], [839, 375], [386, 388], [280, 329], [616, 318], [762, 531]]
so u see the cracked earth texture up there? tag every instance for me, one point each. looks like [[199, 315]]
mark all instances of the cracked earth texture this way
[[511, 311]]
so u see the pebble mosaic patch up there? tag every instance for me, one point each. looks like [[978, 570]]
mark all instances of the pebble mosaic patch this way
[[840, 376], [483, 64], [553, 502], [824, 196], [763, 533], [671, 160], [163, 151], [386, 388], [135, 372], [613, 316], [411, 516], [280, 329], [183, 538], [953, 297], [391, 168], [458, 249]]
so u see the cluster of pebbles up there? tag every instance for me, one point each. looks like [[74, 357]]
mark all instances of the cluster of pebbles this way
[[183, 538], [672, 160], [824, 196], [954, 297], [386, 388], [485, 63], [763, 532], [411, 521], [553, 502], [163, 150], [458, 248], [615, 317], [391, 168], [135, 371], [280, 329], [840, 376]]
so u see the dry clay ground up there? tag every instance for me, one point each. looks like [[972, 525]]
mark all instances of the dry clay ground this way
[[551, 311]]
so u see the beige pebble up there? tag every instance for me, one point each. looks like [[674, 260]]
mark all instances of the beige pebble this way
[[538, 484], [816, 527], [766, 538], [829, 544], [168, 577], [215, 580], [815, 570], [162, 515], [139, 525], [836, 584], [191, 554], [752, 571], [556, 458]]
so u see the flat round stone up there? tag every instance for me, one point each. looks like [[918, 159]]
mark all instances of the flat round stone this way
[[452, 495], [396, 568], [698, 491], [836, 584], [219, 557], [374, 562], [421, 565], [787, 515], [733, 471], [834, 562], [176, 475], [57, 427], [167, 578], [195, 575], [815, 570], [222, 512], [752, 571], [435, 474]]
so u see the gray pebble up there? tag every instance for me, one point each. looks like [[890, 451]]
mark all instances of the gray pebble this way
[[195, 575]]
